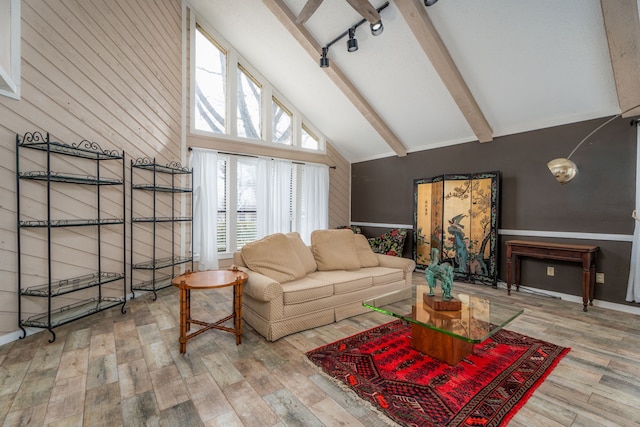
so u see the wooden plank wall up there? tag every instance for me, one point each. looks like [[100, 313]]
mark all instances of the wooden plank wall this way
[[108, 72], [339, 188], [105, 71]]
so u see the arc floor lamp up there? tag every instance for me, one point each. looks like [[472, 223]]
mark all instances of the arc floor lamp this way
[[563, 169]]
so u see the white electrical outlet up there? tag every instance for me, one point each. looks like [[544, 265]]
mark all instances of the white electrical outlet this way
[[551, 271], [599, 277]]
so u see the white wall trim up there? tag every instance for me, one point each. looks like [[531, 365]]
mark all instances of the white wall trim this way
[[10, 79], [568, 235], [380, 225], [524, 233]]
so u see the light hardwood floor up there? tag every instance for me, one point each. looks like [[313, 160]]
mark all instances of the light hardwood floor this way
[[112, 369]]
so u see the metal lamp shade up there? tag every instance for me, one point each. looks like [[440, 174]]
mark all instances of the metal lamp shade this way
[[564, 170]]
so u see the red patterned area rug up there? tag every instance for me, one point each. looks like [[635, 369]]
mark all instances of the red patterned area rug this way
[[485, 389]]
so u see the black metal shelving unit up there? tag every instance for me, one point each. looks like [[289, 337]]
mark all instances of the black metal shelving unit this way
[[149, 177], [60, 314]]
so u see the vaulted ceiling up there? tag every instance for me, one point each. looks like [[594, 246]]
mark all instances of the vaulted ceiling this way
[[454, 72]]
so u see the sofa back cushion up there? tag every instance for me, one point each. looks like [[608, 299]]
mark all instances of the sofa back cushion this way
[[274, 257], [365, 254], [334, 250], [390, 243], [303, 251], [237, 259]]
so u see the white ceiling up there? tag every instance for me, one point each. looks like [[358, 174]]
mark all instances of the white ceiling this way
[[528, 64]]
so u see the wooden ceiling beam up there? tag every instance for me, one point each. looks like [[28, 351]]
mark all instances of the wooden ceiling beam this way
[[308, 10], [313, 48], [366, 9], [427, 36], [622, 25]]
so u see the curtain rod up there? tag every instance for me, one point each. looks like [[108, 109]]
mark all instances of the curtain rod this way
[[257, 157]]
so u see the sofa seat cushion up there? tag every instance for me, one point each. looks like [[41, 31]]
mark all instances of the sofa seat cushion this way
[[274, 257], [306, 289], [344, 281], [383, 275]]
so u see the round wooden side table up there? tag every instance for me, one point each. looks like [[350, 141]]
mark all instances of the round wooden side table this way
[[209, 279]]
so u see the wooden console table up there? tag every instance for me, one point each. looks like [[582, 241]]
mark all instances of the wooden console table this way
[[208, 280], [577, 253]]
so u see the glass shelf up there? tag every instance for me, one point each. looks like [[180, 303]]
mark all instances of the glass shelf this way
[[161, 263], [66, 286], [161, 188], [71, 222], [161, 282], [91, 150], [162, 219], [172, 168], [69, 178], [72, 312]]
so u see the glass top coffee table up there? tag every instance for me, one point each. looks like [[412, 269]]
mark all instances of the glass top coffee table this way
[[445, 335]]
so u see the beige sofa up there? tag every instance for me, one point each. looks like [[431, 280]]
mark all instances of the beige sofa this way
[[293, 287]]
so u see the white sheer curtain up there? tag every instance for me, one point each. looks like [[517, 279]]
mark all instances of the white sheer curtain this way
[[633, 287], [262, 196], [205, 207], [315, 200], [274, 196]]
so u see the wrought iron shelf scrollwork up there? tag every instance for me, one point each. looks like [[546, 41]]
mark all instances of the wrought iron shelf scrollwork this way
[[71, 312], [161, 281], [161, 188], [151, 165], [91, 155], [160, 181], [39, 223], [85, 149], [155, 264], [69, 178], [163, 219], [66, 286]]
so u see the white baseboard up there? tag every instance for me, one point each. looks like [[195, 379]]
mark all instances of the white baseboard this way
[[568, 235], [577, 299], [15, 336]]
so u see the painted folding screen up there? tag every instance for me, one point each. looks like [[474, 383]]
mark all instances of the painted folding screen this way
[[458, 215]]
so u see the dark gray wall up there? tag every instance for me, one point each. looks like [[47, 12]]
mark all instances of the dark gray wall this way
[[599, 200]]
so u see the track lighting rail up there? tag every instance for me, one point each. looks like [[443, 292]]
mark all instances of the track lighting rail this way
[[352, 46]]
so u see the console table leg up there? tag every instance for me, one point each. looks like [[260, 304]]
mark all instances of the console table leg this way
[[509, 277], [592, 283], [517, 275]]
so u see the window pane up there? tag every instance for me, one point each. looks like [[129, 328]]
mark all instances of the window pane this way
[[222, 205], [249, 96], [281, 123], [247, 218], [308, 139], [210, 99]]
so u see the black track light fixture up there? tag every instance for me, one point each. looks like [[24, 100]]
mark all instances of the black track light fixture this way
[[324, 61], [376, 28], [430, 2], [352, 43]]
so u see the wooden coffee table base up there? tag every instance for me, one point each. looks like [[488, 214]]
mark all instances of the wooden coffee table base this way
[[439, 345]]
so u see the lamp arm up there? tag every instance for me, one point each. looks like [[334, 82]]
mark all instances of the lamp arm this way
[[592, 132], [600, 127]]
